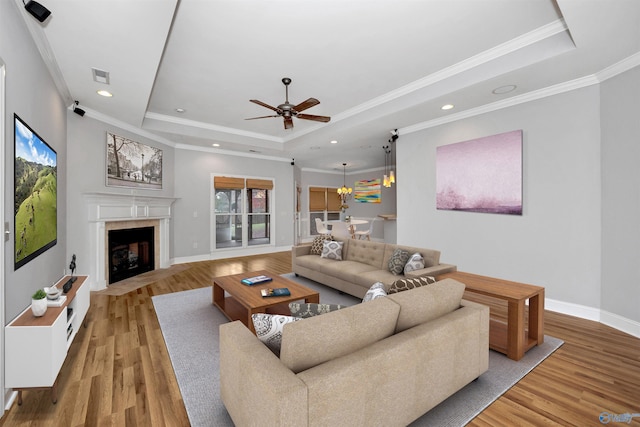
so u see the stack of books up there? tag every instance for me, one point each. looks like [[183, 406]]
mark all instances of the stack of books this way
[[277, 292]]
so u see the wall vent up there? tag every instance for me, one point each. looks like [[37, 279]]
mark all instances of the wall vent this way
[[100, 76]]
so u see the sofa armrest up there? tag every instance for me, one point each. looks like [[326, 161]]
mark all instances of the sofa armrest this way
[[256, 388], [300, 250], [435, 270]]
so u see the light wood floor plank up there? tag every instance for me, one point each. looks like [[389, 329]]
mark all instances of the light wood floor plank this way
[[118, 371]]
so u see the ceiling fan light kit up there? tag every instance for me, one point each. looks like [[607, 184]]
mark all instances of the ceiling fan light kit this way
[[288, 111]]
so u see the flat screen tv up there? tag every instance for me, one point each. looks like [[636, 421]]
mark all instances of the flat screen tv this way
[[35, 194]]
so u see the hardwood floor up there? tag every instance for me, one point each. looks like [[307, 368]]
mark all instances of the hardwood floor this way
[[118, 372]]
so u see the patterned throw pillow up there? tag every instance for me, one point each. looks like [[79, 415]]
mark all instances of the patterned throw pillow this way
[[375, 291], [304, 310], [416, 262], [269, 329], [332, 250], [318, 241], [398, 260], [406, 284]]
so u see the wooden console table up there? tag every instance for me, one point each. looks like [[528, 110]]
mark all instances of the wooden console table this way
[[514, 338]]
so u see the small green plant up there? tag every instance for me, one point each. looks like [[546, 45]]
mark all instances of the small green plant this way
[[40, 294]]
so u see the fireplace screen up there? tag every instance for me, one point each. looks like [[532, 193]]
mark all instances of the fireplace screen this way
[[131, 252]]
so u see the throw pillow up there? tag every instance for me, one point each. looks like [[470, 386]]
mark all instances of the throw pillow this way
[[332, 250], [304, 310], [416, 262], [406, 284], [269, 329], [398, 260], [375, 291], [318, 241]]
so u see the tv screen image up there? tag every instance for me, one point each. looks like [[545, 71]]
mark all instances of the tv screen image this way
[[35, 194]]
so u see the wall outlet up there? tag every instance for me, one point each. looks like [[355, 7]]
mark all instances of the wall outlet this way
[[195, 245], [195, 214]]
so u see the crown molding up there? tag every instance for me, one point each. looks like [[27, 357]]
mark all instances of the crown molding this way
[[510, 102], [207, 126], [619, 67], [489, 55]]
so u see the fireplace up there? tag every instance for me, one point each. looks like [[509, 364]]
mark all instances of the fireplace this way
[[108, 212], [131, 252]]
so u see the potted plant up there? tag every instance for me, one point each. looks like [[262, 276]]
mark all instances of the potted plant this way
[[39, 303]]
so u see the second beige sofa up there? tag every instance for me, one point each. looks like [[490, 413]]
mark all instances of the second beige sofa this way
[[363, 264]]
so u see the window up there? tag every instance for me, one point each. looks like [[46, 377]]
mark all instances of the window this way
[[242, 204], [324, 203]]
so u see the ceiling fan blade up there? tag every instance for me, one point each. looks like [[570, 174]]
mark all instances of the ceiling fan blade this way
[[255, 101], [324, 119], [306, 104], [261, 117], [288, 123]]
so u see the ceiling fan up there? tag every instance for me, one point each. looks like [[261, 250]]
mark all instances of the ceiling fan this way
[[288, 111]]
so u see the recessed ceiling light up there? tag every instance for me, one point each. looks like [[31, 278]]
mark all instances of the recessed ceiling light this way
[[504, 89], [334, 142], [106, 93], [447, 107], [216, 144], [180, 110]]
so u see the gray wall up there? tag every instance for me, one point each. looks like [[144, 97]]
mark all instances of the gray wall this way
[[87, 174], [192, 220], [621, 195], [578, 235], [30, 93]]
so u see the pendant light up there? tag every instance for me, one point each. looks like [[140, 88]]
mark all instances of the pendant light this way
[[392, 175], [345, 192]]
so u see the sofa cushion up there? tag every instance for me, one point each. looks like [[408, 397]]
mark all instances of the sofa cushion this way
[[318, 242], [398, 260], [322, 338], [406, 284], [332, 250], [377, 290], [304, 310], [366, 252], [415, 262], [269, 329], [426, 303]]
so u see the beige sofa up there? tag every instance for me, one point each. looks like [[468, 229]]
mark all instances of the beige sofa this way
[[363, 264], [384, 362]]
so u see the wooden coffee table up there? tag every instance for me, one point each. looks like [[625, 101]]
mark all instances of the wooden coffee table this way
[[515, 337], [242, 301]]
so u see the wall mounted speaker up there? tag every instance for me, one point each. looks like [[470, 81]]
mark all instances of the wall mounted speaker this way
[[37, 10]]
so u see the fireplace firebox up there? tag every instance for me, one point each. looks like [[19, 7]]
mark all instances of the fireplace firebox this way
[[131, 252]]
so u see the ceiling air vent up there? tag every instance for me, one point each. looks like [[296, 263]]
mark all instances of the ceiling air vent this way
[[100, 76]]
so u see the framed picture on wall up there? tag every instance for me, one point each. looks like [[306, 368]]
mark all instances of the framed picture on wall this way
[[367, 191], [133, 164], [481, 175]]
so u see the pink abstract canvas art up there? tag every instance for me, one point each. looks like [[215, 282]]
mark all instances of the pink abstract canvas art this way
[[481, 175]]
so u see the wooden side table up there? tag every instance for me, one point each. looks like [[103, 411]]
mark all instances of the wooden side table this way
[[514, 338]]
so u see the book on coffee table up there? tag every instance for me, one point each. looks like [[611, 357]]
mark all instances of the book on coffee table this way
[[277, 292], [249, 281]]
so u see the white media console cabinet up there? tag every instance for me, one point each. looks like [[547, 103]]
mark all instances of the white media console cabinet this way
[[36, 347]]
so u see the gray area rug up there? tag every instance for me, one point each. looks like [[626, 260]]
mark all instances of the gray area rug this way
[[189, 324]]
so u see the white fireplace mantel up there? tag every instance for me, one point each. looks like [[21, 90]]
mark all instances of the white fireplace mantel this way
[[110, 207]]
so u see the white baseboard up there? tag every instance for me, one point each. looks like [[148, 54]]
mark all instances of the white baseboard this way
[[621, 323], [231, 253], [615, 321]]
